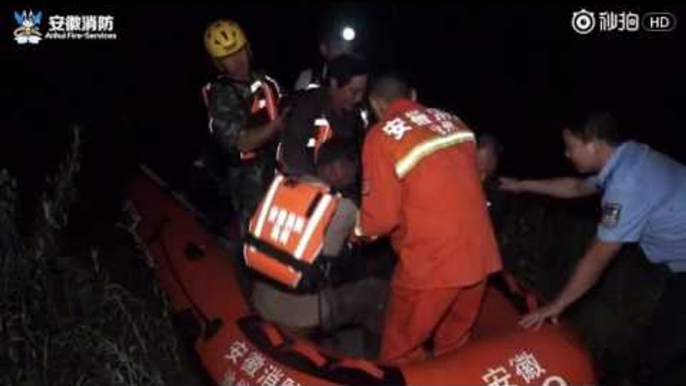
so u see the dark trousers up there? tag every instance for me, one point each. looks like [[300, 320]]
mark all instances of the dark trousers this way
[[663, 352], [247, 186], [239, 190]]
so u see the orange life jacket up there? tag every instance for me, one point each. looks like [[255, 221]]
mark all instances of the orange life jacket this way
[[286, 233]]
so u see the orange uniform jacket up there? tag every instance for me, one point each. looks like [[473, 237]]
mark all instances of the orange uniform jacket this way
[[422, 187]]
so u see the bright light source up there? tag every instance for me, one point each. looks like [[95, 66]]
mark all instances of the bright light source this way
[[348, 34]]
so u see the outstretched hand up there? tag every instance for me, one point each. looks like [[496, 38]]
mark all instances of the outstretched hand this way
[[536, 318], [511, 184]]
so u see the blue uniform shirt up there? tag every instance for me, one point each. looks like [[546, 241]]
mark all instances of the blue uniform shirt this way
[[644, 201]]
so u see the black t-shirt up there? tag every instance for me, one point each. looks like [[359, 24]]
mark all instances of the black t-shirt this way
[[299, 128]]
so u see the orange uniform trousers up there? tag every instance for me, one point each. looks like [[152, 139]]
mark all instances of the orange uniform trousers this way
[[413, 316]]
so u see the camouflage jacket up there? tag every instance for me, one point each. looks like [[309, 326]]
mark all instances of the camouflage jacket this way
[[230, 108]]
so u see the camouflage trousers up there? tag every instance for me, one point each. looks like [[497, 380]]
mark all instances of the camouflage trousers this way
[[243, 188], [241, 191]]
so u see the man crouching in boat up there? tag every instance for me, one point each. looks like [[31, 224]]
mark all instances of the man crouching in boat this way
[[298, 233]]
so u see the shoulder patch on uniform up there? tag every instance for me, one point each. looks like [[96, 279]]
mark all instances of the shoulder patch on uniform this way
[[611, 213]]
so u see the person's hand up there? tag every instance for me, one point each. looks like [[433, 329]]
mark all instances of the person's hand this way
[[360, 239], [357, 236], [511, 184], [536, 318]]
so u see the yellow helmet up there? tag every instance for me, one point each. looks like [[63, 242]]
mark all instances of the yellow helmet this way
[[224, 38]]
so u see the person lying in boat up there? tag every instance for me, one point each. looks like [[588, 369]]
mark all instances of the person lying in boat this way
[[297, 240]]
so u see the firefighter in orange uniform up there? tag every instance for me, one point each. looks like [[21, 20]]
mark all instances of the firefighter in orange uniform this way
[[421, 186], [297, 235]]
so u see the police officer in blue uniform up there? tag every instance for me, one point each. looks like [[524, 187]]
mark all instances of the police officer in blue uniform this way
[[644, 202]]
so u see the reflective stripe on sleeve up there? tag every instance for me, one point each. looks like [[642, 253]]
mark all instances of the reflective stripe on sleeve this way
[[412, 158]]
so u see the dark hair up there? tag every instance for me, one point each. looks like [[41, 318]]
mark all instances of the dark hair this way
[[600, 125], [391, 86], [484, 139], [335, 150], [346, 66]]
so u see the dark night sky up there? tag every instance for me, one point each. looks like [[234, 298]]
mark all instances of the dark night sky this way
[[512, 70]]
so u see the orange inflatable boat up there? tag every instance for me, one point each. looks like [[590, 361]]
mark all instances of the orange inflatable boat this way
[[236, 347]]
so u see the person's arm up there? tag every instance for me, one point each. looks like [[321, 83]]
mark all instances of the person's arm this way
[[564, 187], [381, 203], [252, 138], [297, 158], [341, 226], [586, 274], [229, 117]]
